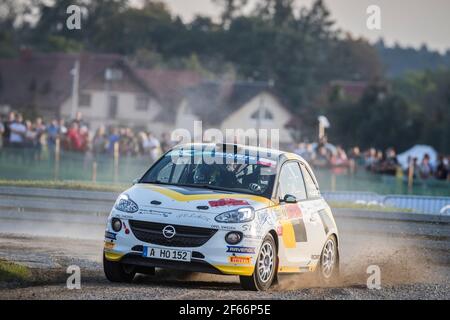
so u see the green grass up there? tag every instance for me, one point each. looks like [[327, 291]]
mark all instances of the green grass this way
[[10, 272], [71, 185]]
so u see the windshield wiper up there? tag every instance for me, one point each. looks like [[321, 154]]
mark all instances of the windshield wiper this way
[[203, 186], [211, 187]]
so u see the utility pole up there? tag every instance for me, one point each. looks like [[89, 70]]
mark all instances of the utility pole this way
[[75, 72], [260, 117]]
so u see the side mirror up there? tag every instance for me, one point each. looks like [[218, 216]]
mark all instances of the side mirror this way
[[135, 181], [289, 199]]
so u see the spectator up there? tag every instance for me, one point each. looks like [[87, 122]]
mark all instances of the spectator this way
[[7, 129], [40, 129], [74, 137], [100, 141], [154, 147], [2, 131], [79, 120], [84, 135], [17, 131], [143, 143], [166, 142], [30, 135], [441, 168], [53, 131], [113, 138], [425, 170]]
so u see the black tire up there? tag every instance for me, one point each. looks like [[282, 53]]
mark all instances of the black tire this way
[[255, 282], [324, 274], [118, 272]]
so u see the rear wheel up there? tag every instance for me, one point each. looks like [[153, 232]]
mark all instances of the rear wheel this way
[[118, 272], [265, 267], [329, 261]]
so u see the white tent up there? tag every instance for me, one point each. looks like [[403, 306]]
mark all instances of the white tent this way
[[418, 151]]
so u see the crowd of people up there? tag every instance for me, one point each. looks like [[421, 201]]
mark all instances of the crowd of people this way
[[325, 155], [75, 135]]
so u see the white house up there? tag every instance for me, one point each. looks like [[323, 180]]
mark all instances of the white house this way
[[239, 106]]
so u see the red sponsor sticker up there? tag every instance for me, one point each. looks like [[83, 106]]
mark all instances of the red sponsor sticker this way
[[280, 230], [240, 260], [293, 211], [227, 202]]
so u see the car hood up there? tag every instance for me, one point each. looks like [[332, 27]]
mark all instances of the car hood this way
[[150, 197]]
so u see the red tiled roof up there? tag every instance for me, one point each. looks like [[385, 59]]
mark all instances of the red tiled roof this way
[[169, 86], [45, 80]]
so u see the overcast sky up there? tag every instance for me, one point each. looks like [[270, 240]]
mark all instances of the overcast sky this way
[[408, 22]]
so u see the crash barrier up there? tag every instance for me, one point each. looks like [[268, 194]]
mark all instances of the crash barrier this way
[[416, 204]]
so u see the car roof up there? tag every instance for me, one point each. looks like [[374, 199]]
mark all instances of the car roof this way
[[281, 155]]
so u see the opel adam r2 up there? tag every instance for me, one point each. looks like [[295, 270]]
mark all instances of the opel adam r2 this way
[[225, 209]]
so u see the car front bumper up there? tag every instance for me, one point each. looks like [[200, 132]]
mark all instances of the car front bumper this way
[[214, 256]]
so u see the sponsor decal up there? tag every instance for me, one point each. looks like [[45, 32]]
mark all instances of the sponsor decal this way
[[294, 211], [154, 212], [235, 249], [227, 202], [109, 245], [262, 217], [240, 260], [193, 216], [280, 230], [122, 216], [267, 163], [110, 235], [252, 237], [223, 227]]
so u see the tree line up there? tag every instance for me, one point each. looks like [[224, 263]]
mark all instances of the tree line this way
[[299, 50]]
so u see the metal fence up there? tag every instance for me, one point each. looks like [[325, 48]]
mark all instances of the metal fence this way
[[417, 204]]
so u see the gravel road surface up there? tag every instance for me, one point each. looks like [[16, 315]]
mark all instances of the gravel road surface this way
[[414, 259]]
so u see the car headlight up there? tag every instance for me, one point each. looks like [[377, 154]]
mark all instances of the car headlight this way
[[237, 216], [125, 204]]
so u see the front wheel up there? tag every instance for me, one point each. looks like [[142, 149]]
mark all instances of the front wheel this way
[[118, 272], [265, 267]]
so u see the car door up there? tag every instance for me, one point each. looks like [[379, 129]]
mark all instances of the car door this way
[[313, 207], [295, 250]]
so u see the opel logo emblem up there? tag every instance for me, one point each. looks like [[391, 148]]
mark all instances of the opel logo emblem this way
[[169, 232]]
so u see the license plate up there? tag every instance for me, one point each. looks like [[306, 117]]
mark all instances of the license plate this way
[[167, 254]]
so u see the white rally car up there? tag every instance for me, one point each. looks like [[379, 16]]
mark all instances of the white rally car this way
[[225, 209]]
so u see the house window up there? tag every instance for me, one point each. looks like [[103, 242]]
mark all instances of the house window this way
[[142, 103], [85, 100], [113, 74], [265, 114], [113, 105]]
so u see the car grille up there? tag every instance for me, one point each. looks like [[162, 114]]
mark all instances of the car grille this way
[[185, 236]]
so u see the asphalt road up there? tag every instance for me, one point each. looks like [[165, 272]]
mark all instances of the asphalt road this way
[[414, 259]]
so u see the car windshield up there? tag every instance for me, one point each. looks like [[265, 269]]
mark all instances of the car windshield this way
[[233, 172]]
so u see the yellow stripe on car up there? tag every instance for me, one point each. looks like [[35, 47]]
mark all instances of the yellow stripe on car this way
[[240, 271], [182, 197], [288, 269], [288, 235], [112, 256]]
